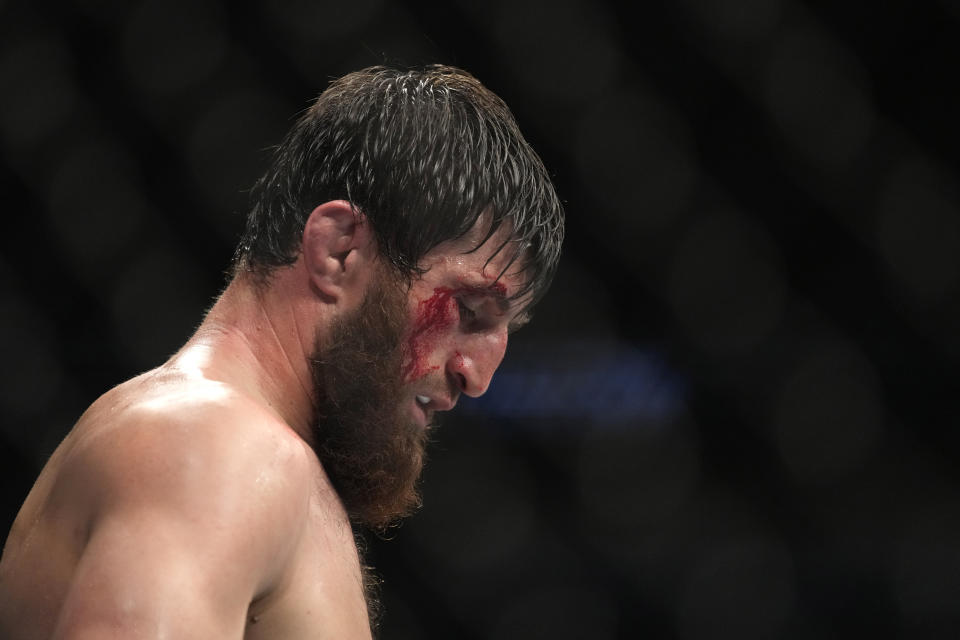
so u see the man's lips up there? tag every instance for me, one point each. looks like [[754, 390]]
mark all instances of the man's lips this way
[[426, 405], [435, 403], [422, 412]]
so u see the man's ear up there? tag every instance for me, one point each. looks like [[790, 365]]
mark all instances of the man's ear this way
[[338, 250]]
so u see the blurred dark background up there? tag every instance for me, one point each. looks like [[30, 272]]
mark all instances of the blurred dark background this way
[[731, 416]]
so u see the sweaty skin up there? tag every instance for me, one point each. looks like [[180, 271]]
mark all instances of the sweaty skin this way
[[188, 502]]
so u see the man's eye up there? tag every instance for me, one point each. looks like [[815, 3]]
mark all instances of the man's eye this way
[[466, 313]]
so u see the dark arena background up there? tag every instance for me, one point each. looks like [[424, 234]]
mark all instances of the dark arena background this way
[[732, 415]]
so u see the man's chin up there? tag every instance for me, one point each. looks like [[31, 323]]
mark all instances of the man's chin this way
[[375, 469]]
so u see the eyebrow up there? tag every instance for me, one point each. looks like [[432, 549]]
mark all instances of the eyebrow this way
[[494, 290]]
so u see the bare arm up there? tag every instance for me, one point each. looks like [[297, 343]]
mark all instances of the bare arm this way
[[191, 522]]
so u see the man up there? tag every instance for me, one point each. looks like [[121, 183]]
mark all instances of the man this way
[[402, 231]]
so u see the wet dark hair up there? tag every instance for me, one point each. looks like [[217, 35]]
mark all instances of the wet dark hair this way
[[422, 154]]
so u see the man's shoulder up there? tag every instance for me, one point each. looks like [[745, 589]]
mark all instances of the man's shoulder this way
[[192, 442], [203, 412]]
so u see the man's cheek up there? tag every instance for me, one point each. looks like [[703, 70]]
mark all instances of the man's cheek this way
[[433, 316]]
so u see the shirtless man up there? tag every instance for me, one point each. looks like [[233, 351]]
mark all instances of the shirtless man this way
[[402, 231]]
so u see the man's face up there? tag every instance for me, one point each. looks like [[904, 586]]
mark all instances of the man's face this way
[[383, 373], [460, 316]]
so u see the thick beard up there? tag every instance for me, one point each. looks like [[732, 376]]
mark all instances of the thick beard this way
[[370, 448]]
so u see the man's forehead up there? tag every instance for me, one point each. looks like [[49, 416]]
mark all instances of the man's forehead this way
[[494, 251], [493, 266]]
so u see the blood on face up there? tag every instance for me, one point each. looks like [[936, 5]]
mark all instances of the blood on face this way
[[434, 316]]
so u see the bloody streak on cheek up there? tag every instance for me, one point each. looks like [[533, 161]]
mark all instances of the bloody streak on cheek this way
[[433, 315]]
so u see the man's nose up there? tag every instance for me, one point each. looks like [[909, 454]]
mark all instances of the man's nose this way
[[473, 364]]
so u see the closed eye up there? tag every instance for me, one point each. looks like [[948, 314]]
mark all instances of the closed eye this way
[[475, 316], [481, 311], [467, 314]]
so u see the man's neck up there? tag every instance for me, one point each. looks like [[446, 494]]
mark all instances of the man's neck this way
[[252, 340]]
